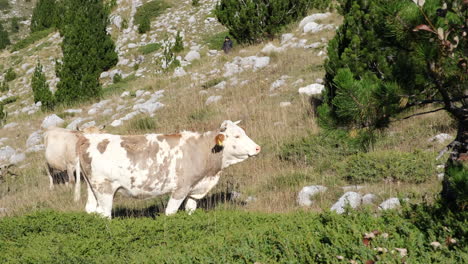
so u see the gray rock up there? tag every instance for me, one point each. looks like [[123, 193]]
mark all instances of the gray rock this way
[[391, 203], [311, 89], [10, 125], [213, 99], [74, 124], [17, 158], [52, 120], [179, 72], [369, 198], [35, 148], [116, 123], [303, 198], [220, 86], [285, 104], [192, 55], [6, 153], [34, 139], [440, 138], [352, 188], [88, 124], [286, 37], [353, 199], [73, 111]]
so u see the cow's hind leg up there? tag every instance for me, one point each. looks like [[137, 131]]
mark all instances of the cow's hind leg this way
[[173, 205], [51, 179], [190, 205], [91, 204]]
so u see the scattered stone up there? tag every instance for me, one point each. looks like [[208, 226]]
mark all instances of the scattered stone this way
[[278, 83], [440, 138], [286, 37], [73, 111], [313, 45], [10, 125], [6, 153], [285, 104], [192, 55], [88, 124], [440, 176], [116, 123], [352, 188], [17, 158], [311, 89], [391, 203], [213, 99], [124, 94], [34, 139], [251, 199], [314, 17], [435, 244], [303, 198], [179, 72], [369, 198], [139, 93], [220, 86], [269, 48], [35, 148], [353, 199], [74, 124]]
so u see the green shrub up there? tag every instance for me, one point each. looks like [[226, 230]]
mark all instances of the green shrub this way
[[3, 115], [117, 78], [31, 39], [289, 180], [41, 91], [45, 15], [457, 179], [195, 2], [10, 75], [10, 100], [202, 114], [235, 237], [4, 87], [149, 48], [178, 44], [377, 166], [14, 25], [4, 38], [148, 11], [4, 5], [251, 21]]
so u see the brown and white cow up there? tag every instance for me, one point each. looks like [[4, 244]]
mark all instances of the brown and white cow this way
[[60, 153], [184, 165]]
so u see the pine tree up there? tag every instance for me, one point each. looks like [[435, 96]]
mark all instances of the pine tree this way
[[87, 51], [392, 56], [4, 39], [41, 90], [178, 44], [44, 15]]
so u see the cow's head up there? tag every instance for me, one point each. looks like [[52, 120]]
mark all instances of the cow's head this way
[[234, 143]]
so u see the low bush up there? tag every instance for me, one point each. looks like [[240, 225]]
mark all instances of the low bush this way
[[237, 237], [146, 12], [376, 166], [31, 39], [202, 114], [178, 44], [149, 48], [146, 123], [4, 87], [215, 42], [9, 100], [10, 75]]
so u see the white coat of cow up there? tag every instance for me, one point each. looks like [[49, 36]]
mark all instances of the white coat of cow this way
[[60, 153], [184, 165]]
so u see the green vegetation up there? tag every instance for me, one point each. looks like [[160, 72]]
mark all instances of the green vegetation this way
[[3, 115], [4, 38], [216, 41], [149, 48], [87, 51], [178, 44], [46, 14], [10, 75], [371, 78], [118, 87], [4, 5], [143, 124], [253, 20], [117, 78], [31, 39], [212, 82], [148, 11], [4, 87], [14, 25], [10, 100], [236, 237], [41, 90], [195, 2], [377, 166], [202, 114]]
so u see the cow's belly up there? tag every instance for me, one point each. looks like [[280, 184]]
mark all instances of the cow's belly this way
[[204, 186]]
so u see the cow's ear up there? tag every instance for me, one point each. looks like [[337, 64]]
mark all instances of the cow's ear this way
[[218, 144]]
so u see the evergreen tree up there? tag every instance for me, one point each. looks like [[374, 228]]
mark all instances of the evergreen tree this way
[[145, 25], [4, 39], [178, 44], [44, 15], [87, 51], [251, 21], [392, 56], [41, 90], [15, 25]]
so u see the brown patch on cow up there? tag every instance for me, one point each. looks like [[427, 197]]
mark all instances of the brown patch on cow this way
[[102, 146], [139, 150], [105, 187], [82, 151], [172, 139]]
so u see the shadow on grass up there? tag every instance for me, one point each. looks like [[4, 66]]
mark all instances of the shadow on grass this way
[[208, 203]]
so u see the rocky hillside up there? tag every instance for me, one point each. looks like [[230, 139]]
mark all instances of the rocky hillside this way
[[266, 85]]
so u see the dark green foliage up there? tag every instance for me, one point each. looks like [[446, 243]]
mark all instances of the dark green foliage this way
[[149, 48], [14, 25], [41, 90], [251, 21], [391, 56], [10, 100], [4, 38], [148, 11], [4, 5], [45, 15], [234, 237], [4, 87], [457, 177], [10, 75], [395, 166], [87, 51], [117, 78], [195, 2], [3, 115], [169, 59], [178, 44], [36, 36]]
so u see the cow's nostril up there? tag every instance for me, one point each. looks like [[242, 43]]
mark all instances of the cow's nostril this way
[[258, 149]]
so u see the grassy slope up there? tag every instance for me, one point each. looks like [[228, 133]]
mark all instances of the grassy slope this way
[[268, 124]]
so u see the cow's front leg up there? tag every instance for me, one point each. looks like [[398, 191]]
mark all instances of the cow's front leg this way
[[190, 205], [173, 205]]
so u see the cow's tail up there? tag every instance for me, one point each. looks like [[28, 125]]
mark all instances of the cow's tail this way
[[80, 170], [78, 179]]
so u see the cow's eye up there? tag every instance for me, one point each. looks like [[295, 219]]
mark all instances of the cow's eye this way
[[237, 136]]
